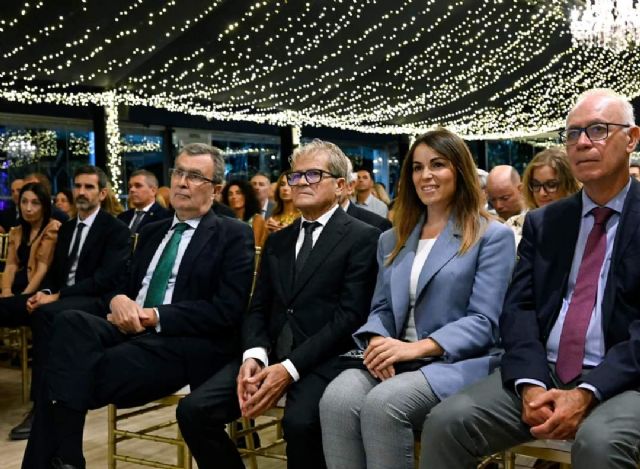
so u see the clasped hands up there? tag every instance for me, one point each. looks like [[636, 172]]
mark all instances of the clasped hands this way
[[382, 352], [129, 317], [555, 414], [259, 388], [39, 299]]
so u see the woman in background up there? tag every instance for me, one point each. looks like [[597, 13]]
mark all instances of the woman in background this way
[[546, 178], [284, 213], [240, 196], [31, 243], [64, 202], [444, 268]]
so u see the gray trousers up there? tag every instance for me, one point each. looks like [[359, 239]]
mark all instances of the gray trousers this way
[[369, 424], [485, 418]]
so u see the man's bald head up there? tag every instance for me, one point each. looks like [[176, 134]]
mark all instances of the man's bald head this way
[[504, 191]]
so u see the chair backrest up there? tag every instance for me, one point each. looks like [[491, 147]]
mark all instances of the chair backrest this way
[[4, 246]]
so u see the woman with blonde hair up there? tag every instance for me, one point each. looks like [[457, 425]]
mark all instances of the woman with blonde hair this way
[[284, 213], [443, 271], [546, 178]]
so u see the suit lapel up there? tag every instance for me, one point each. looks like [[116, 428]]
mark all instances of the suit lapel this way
[[203, 235], [286, 258], [93, 236], [627, 232], [147, 248], [400, 272], [444, 249], [331, 234]]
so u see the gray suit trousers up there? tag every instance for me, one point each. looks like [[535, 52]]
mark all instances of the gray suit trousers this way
[[485, 419]]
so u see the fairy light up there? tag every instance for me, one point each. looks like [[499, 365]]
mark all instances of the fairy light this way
[[484, 69]]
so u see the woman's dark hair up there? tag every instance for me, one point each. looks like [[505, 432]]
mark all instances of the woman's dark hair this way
[[68, 194], [44, 197], [251, 203]]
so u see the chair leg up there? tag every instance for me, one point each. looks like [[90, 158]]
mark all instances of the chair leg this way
[[509, 459], [111, 438], [248, 440]]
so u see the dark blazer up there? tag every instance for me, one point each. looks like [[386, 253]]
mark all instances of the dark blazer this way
[[212, 287], [102, 260], [368, 217], [155, 213], [539, 284], [329, 299]]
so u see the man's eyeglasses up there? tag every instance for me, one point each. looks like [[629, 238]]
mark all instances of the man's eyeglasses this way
[[313, 176], [550, 186], [191, 177], [595, 132]]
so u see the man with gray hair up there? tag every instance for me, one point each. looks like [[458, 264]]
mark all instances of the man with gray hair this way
[[570, 323], [313, 290], [143, 208], [175, 321]]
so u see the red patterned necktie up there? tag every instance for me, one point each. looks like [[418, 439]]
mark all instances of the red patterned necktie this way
[[576, 321]]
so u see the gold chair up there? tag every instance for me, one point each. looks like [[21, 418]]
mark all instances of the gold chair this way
[[558, 451], [244, 428], [15, 340], [141, 416]]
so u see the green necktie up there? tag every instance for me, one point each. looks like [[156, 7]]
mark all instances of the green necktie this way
[[160, 277]]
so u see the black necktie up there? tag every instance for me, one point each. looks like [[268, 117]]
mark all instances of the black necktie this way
[[307, 244], [76, 244], [136, 220]]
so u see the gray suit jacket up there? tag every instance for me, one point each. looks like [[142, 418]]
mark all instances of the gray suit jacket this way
[[458, 301]]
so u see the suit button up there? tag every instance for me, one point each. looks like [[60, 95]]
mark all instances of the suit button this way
[[290, 311]]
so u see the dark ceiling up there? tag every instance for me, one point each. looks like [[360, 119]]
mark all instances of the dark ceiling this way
[[483, 68]]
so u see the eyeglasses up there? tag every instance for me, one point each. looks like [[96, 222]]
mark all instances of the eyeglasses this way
[[313, 176], [550, 186], [191, 177], [595, 132]]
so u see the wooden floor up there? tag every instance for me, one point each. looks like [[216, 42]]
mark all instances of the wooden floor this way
[[95, 436]]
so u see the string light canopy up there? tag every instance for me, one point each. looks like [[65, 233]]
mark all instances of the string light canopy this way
[[611, 24], [485, 69]]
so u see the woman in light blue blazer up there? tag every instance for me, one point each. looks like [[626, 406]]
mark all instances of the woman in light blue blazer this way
[[433, 328]]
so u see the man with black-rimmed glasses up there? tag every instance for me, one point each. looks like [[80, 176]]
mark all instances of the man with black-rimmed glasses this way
[[570, 323], [175, 321], [313, 290]]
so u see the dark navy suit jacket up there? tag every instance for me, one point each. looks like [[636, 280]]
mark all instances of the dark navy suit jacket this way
[[539, 284]]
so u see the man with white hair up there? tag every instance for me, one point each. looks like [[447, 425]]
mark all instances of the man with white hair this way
[[313, 290], [571, 318]]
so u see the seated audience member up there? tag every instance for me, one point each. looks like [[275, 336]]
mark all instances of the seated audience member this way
[[9, 217], [240, 197], [31, 243], [56, 214], [111, 203], [176, 321], [383, 224], [143, 208], [284, 213], [443, 271], [380, 192], [504, 191], [547, 178], [571, 318], [64, 202], [89, 257], [163, 197], [634, 170], [314, 287], [262, 186], [364, 194]]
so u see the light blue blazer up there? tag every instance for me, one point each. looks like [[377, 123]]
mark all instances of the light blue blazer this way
[[458, 301]]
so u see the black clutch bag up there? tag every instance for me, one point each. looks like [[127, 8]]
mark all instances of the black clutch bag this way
[[355, 359]]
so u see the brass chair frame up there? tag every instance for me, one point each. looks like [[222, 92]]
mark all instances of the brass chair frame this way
[[117, 435], [15, 339]]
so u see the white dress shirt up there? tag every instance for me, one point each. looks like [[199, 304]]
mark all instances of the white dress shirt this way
[[260, 353]]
